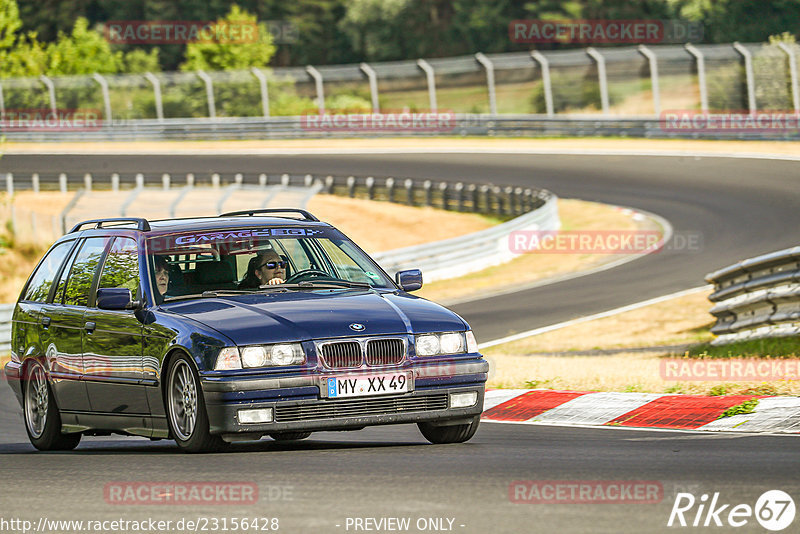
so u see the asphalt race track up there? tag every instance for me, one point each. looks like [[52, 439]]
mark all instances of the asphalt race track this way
[[740, 207]]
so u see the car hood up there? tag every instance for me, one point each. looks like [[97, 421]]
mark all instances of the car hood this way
[[304, 315]]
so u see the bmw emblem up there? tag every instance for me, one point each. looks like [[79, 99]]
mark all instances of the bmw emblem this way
[[358, 327]]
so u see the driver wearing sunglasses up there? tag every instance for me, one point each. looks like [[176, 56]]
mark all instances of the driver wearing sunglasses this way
[[264, 269]]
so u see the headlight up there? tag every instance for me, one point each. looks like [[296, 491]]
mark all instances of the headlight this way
[[260, 356], [441, 344], [428, 345], [228, 358], [472, 343]]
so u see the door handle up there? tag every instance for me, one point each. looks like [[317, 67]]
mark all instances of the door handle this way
[[90, 326], [45, 321]]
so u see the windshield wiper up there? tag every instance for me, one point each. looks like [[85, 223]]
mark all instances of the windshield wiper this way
[[335, 284], [214, 293]]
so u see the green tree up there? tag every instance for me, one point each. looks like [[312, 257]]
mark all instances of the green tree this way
[[220, 55], [83, 51]]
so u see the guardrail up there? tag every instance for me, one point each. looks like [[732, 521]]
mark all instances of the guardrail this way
[[458, 256], [6, 310], [757, 298], [459, 124]]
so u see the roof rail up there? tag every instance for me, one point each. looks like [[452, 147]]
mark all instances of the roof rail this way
[[306, 215], [141, 224]]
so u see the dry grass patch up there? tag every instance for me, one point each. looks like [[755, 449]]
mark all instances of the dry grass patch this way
[[676, 321], [529, 268], [623, 372], [380, 226]]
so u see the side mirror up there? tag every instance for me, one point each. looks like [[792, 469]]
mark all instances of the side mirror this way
[[116, 298], [410, 280]]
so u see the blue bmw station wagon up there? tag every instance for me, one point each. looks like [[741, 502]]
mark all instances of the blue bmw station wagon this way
[[231, 328]]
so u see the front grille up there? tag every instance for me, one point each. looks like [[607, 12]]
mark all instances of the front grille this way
[[342, 355], [360, 408], [385, 351]]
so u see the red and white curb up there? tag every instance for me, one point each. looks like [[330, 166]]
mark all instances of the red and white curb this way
[[641, 410]]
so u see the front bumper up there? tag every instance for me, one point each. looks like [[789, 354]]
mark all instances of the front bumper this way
[[13, 372], [297, 405]]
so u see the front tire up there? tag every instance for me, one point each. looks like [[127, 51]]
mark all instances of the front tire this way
[[186, 410], [42, 418], [290, 436], [449, 434]]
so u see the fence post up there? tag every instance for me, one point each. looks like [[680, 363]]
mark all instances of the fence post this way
[[215, 181], [166, 180], [51, 91], [546, 81], [459, 196], [150, 77], [487, 198], [426, 185], [35, 182], [329, 184], [318, 82], [62, 183], [87, 182], [431, 77], [262, 180], [751, 81], [285, 180], [602, 77], [212, 106], [238, 178], [501, 200], [262, 84], [654, 80], [10, 184], [793, 73], [390, 189], [487, 64], [373, 86], [115, 182], [527, 202], [370, 182], [409, 185], [443, 188], [518, 201], [106, 98], [190, 179], [701, 75], [472, 190], [308, 181], [351, 186], [140, 181]]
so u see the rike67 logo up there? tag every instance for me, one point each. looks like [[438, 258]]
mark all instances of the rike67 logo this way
[[774, 510]]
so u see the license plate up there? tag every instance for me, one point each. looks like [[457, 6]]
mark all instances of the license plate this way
[[367, 385]]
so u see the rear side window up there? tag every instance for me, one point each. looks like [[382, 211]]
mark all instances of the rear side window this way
[[83, 271], [42, 280], [121, 268]]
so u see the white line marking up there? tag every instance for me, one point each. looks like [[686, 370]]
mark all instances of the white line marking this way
[[610, 313]]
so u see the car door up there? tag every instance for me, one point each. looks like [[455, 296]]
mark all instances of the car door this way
[[60, 332], [112, 340]]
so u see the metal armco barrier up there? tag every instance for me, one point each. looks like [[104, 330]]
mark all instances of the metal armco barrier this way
[[757, 298], [6, 310], [461, 124], [463, 255]]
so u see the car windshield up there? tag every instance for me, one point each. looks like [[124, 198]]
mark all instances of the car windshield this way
[[256, 259]]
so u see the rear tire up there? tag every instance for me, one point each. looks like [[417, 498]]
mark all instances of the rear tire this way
[[42, 418], [186, 409], [449, 434], [290, 436]]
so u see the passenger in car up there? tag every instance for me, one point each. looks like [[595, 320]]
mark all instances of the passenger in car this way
[[265, 269], [162, 277]]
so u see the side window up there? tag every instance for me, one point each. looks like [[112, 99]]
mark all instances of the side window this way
[[121, 268], [83, 270], [58, 298], [42, 280]]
